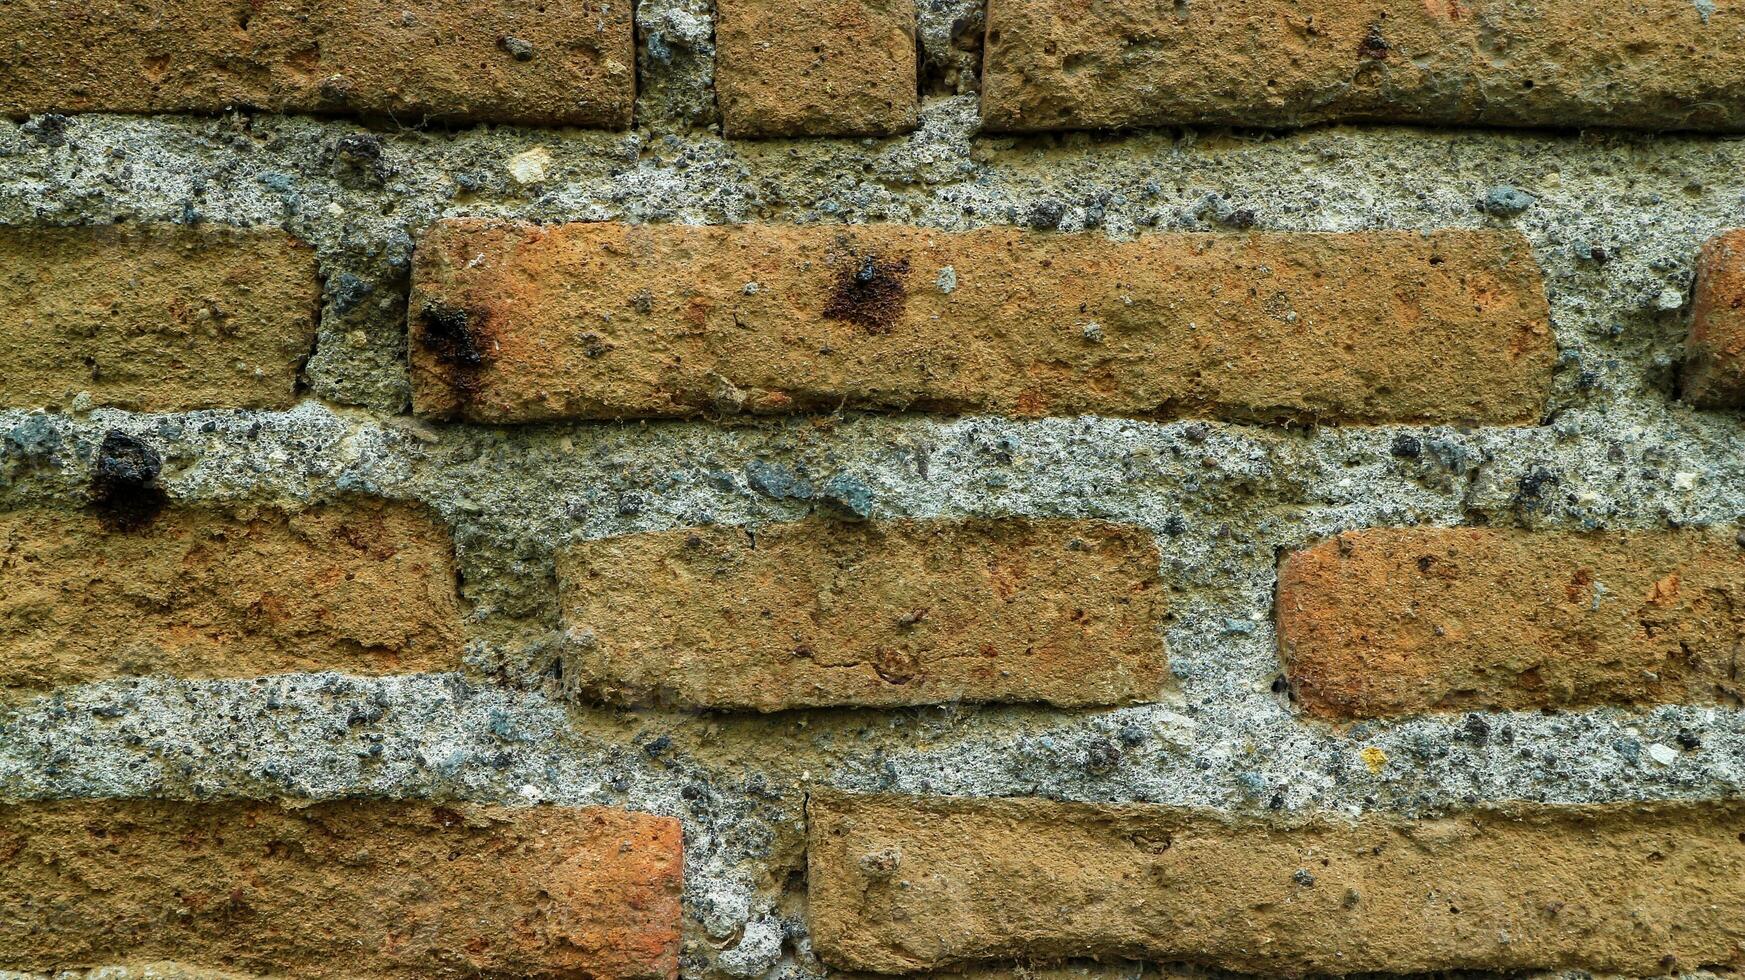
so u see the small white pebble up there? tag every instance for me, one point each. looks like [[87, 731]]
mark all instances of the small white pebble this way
[[947, 279], [1666, 755]]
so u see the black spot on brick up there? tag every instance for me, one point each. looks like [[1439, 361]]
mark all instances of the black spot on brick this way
[[869, 293], [1374, 45], [124, 483], [457, 339]]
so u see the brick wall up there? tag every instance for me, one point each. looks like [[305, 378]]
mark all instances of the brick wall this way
[[796, 489]]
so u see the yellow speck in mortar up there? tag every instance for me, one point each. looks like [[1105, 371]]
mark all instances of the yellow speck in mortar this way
[[1374, 758]]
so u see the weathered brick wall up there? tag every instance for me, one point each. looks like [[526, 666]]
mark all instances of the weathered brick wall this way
[[1048, 488]]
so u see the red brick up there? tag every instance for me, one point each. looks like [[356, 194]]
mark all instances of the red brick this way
[[816, 67], [359, 587], [345, 889], [155, 318], [1093, 64], [897, 884], [1715, 370], [515, 323], [1400, 621], [822, 613], [525, 61]]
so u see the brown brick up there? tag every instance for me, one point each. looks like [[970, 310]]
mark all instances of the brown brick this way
[[904, 883], [351, 889], [514, 323], [154, 318], [1714, 374], [1075, 64], [901, 612], [816, 67], [360, 588], [1398, 621], [521, 61]]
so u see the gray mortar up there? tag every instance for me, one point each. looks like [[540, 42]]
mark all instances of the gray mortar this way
[[1616, 451]]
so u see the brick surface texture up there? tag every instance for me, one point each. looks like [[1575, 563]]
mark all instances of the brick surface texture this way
[[361, 587], [816, 67], [558, 63], [1079, 64], [824, 613], [815, 489], [905, 883], [348, 889], [1715, 372], [1395, 621], [154, 318], [514, 323]]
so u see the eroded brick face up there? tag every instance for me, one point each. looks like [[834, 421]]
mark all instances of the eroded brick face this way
[[909, 883], [358, 587], [154, 318], [823, 613], [1077, 64], [1396, 621], [1714, 374], [816, 67], [515, 323], [344, 889], [524, 61]]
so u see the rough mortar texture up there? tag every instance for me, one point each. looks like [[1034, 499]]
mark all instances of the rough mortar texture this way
[[1615, 220]]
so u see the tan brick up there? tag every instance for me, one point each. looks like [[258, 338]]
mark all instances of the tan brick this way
[[514, 323], [1398, 621], [1714, 375], [154, 318], [906, 883], [820, 613], [349, 889], [816, 67], [1078, 64], [521, 61], [360, 588]]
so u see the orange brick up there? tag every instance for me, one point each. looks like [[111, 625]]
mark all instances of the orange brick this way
[[350, 889], [822, 613], [1399, 621], [1075, 64], [522, 61], [515, 323], [360, 588], [904, 883], [156, 318], [1714, 374], [816, 67]]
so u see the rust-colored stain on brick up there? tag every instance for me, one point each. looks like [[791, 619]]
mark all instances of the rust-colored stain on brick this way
[[360, 588], [518, 323], [1714, 375], [816, 67], [1073, 64], [821, 613], [344, 889], [155, 318], [908, 883], [524, 61], [1395, 621]]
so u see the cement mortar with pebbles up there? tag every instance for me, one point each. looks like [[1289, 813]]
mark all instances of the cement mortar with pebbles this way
[[1616, 221]]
